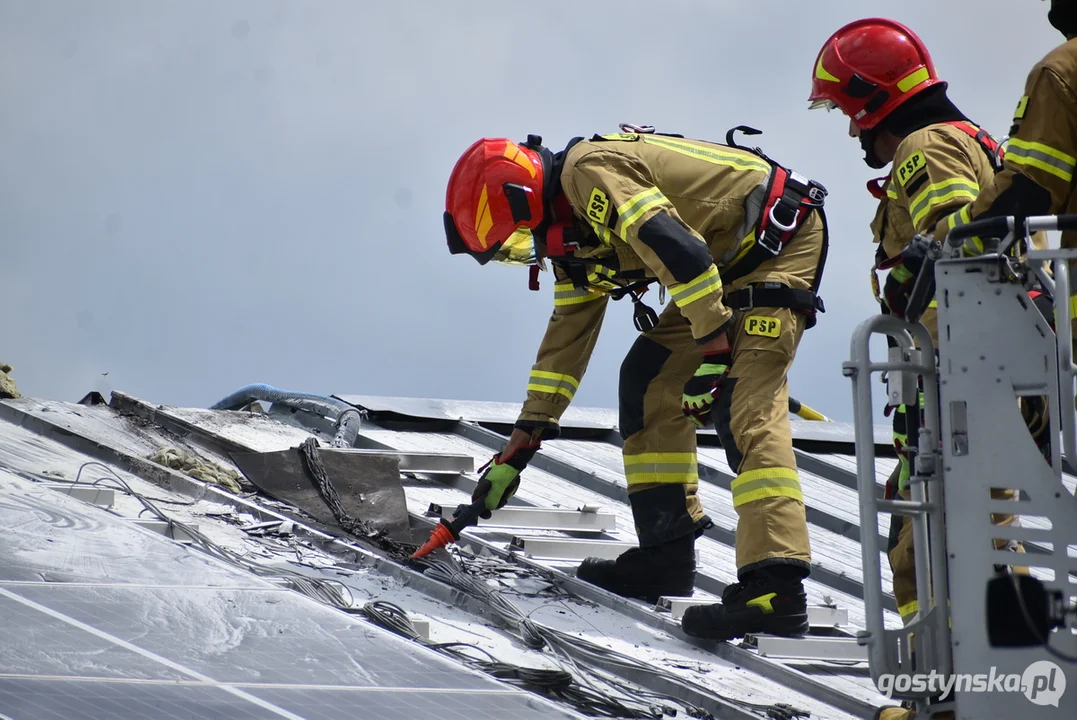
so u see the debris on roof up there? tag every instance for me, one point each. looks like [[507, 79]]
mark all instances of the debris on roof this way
[[148, 484], [196, 468], [7, 383]]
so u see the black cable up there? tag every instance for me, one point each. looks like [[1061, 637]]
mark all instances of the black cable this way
[[325, 591], [587, 697], [560, 643], [558, 684]]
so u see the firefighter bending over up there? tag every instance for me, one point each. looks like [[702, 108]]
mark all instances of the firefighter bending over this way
[[739, 243]]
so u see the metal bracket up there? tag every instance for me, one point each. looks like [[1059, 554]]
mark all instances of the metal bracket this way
[[818, 615], [102, 497], [568, 549], [808, 648], [426, 463], [527, 518], [172, 531], [902, 387]]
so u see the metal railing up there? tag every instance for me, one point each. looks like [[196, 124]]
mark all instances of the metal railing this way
[[912, 366]]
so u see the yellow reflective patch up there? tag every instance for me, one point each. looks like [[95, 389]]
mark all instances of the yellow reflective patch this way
[[763, 326], [483, 219], [1022, 105], [512, 152], [598, 206], [822, 73], [763, 602], [913, 164], [913, 79]]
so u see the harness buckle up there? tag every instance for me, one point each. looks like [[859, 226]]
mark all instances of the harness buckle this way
[[749, 290], [817, 193], [778, 224]]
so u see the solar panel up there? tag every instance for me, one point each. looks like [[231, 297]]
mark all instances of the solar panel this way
[[145, 640]]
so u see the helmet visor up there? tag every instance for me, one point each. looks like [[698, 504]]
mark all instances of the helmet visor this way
[[823, 103], [519, 249]]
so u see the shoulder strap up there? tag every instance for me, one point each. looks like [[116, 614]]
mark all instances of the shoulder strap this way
[[987, 143]]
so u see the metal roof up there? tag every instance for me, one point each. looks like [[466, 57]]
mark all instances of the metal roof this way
[[42, 440]]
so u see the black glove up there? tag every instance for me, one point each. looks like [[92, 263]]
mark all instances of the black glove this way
[[702, 389], [501, 478], [903, 267]]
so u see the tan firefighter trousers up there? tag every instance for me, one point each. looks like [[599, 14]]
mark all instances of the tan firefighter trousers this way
[[751, 417]]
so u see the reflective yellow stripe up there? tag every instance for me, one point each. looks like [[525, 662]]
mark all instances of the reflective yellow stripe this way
[[568, 294], [672, 468], [1073, 307], [639, 204], [913, 79], [910, 608], [765, 483], [700, 286], [960, 218], [602, 232], [740, 161], [1043, 157], [891, 192], [973, 245], [745, 245], [934, 195], [551, 382], [901, 273]]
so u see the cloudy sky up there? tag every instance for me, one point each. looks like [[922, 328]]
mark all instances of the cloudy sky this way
[[200, 194]]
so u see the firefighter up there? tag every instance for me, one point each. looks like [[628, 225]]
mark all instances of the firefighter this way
[[739, 243], [1041, 155], [881, 76]]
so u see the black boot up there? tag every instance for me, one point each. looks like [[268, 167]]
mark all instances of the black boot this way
[[766, 601], [646, 573]]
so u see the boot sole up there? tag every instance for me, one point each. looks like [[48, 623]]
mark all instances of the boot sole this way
[[635, 591], [740, 624]]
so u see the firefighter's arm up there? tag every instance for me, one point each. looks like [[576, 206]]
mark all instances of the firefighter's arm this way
[[618, 196], [1040, 157], [932, 177], [562, 357]]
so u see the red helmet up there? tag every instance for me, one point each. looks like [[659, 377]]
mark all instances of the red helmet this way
[[870, 67], [494, 202]]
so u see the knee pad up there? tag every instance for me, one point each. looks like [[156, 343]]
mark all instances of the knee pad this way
[[641, 365]]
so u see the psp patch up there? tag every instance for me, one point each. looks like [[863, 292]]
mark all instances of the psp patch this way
[[912, 165], [763, 326], [1022, 106], [598, 206]]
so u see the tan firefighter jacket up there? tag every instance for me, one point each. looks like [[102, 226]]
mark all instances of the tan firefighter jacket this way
[[1042, 147], [655, 207], [936, 170]]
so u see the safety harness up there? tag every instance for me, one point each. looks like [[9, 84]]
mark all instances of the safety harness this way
[[790, 199]]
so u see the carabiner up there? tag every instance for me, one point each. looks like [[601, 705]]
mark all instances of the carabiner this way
[[777, 224]]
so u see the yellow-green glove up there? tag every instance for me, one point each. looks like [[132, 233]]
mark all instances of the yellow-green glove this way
[[703, 389], [501, 478]]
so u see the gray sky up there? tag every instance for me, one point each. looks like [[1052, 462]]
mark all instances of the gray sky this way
[[200, 194]]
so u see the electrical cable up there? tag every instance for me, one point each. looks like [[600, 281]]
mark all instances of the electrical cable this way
[[565, 645], [557, 684], [325, 591], [591, 690]]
